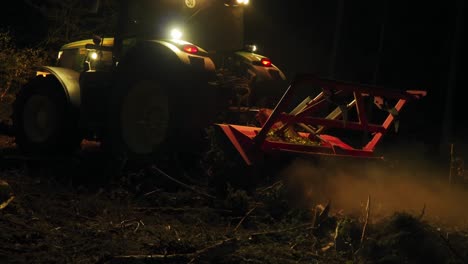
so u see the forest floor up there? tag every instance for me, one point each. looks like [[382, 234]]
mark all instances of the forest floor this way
[[62, 212]]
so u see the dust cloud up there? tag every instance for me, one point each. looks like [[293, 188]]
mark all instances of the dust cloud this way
[[418, 189]]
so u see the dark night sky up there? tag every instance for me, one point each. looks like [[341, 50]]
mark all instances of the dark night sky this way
[[299, 35], [26, 24]]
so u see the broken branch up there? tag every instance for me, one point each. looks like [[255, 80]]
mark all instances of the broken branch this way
[[423, 211], [219, 249], [366, 222], [181, 183], [243, 219]]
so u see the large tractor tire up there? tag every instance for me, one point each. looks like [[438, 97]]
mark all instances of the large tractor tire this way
[[157, 106], [150, 118], [145, 116], [139, 123], [43, 123]]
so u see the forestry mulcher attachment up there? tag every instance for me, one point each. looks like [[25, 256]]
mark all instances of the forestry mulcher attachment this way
[[317, 125]]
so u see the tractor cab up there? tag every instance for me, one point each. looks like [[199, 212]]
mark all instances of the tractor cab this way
[[215, 25]]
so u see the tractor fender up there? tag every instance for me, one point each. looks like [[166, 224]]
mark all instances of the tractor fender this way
[[68, 79], [267, 82], [186, 58], [251, 63]]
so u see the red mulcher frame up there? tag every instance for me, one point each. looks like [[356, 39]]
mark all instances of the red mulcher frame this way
[[251, 142]]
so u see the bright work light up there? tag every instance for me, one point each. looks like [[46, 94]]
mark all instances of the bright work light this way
[[236, 2], [251, 47], [176, 33], [243, 2], [94, 55]]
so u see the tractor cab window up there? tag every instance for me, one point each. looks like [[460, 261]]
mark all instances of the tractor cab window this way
[[98, 60], [72, 59], [79, 56]]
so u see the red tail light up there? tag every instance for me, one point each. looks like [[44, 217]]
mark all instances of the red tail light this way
[[190, 49], [265, 62]]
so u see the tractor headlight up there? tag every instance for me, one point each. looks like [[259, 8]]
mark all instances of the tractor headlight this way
[[176, 33], [236, 2], [94, 55], [250, 48]]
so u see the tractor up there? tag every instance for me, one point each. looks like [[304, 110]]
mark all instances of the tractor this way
[[156, 83], [168, 71]]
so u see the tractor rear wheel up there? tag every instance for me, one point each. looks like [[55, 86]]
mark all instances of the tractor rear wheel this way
[[139, 118], [144, 117], [42, 120], [153, 119]]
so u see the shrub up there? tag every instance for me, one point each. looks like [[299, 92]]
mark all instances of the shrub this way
[[17, 65]]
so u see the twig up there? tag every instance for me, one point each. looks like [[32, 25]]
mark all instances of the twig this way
[[454, 252], [324, 213], [308, 225], [7, 202], [320, 214], [151, 257], [181, 183], [366, 222], [149, 193], [127, 223], [85, 217], [423, 211], [180, 209], [243, 219], [271, 186], [221, 248]]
